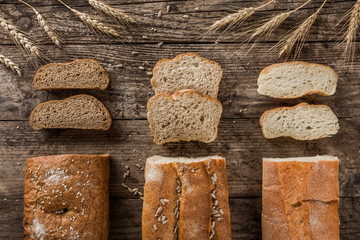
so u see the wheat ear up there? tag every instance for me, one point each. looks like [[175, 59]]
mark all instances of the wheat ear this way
[[353, 28], [297, 38], [10, 64], [235, 19], [20, 39], [55, 38], [94, 24], [114, 13]]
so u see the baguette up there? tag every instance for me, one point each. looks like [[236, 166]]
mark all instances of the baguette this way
[[301, 122], [186, 199], [185, 116], [300, 198], [296, 79], [187, 71]]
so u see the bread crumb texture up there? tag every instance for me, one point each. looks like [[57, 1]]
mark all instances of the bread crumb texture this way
[[300, 199], [66, 197]]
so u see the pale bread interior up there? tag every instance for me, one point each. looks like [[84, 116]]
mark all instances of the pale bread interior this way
[[303, 159], [292, 80]]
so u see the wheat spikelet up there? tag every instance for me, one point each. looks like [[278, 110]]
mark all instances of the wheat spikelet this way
[[296, 38], [94, 24], [55, 38], [116, 14], [10, 64], [20, 39]]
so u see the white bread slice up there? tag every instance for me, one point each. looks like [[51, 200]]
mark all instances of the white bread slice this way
[[185, 116], [296, 79], [301, 122], [187, 71]]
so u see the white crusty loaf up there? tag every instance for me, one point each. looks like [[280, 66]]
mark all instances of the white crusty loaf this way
[[300, 198], [301, 122], [187, 71], [186, 199], [296, 79], [185, 116]]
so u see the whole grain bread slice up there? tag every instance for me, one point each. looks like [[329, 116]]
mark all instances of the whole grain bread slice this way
[[301, 122], [185, 116], [296, 79], [187, 71], [79, 74], [80, 111]]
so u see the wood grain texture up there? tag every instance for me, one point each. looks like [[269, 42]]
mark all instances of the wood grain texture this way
[[129, 140]]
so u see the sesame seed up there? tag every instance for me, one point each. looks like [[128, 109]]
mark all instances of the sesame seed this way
[[159, 14], [149, 73], [165, 221], [158, 211], [134, 53], [221, 211], [186, 16], [155, 227], [141, 68], [168, 8], [160, 44]]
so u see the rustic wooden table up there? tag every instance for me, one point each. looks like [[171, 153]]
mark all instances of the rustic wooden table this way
[[129, 140]]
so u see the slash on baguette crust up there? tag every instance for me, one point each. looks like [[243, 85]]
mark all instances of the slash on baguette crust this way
[[301, 122], [187, 71], [186, 185], [295, 79], [79, 111], [78, 74], [184, 116], [300, 198]]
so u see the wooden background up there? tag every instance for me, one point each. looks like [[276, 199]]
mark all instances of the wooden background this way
[[129, 140]]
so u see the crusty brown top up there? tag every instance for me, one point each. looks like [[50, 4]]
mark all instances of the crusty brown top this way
[[67, 197], [300, 200]]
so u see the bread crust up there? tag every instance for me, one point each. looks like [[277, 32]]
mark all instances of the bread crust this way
[[174, 97], [67, 197], [161, 61], [66, 99], [195, 200], [300, 199], [267, 69], [264, 115], [70, 63]]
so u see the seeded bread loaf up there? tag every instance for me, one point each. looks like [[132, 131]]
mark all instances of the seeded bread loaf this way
[[296, 79], [300, 198], [79, 74], [186, 199], [301, 122], [185, 116], [67, 197], [80, 111], [187, 71]]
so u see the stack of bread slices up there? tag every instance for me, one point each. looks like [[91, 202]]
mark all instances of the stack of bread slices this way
[[303, 121], [185, 107]]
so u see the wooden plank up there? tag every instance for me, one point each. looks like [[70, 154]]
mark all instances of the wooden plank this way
[[130, 87], [171, 27], [125, 218], [130, 143]]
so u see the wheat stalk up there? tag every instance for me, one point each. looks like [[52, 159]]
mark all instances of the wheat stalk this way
[[10, 64], [235, 19], [94, 24], [353, 28], [20, 39], [296, 38], [116, 14], [55, 38]]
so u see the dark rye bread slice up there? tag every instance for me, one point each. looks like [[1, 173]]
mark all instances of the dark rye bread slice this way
[[80, 112], [79, 74]]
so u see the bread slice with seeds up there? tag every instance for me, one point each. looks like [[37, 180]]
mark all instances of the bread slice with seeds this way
[[79, 74], [185, 116], [301, 122], [296, 79], [187, 71], [80, 111]]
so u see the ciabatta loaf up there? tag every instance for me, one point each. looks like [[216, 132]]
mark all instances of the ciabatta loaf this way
[[186, 199], [187, 71], [301, 122], [300, 198], [80, 111], [185, 116], [79, 74], [296, 79]]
